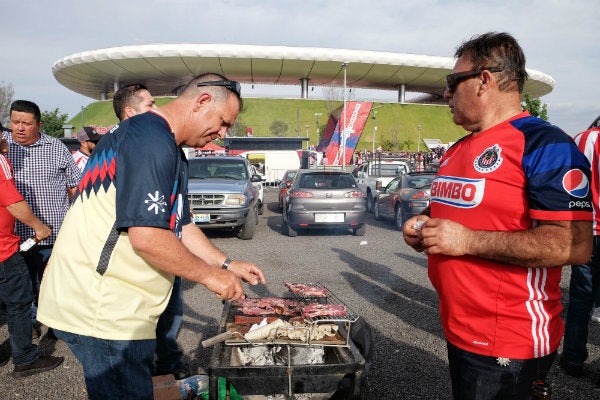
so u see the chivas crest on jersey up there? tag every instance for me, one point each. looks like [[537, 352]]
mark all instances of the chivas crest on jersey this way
[[489, 160]]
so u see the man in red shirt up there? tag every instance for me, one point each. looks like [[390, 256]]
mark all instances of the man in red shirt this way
[[510, 205], [15, 284]]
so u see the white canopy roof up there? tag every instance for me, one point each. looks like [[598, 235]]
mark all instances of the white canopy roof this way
[[162, 67]]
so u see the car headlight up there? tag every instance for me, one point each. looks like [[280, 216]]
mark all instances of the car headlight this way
[[236, 199]]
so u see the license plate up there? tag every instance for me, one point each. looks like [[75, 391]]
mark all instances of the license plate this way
[[330, 217], [199, 218]]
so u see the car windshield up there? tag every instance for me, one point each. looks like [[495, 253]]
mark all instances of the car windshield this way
[[417, 181], [387, 169], [326, 181], [206, 168]]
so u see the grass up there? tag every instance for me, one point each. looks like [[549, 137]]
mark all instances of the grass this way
[[396, 123]]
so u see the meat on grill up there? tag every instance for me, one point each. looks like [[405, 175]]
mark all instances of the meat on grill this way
[[268, 306], [324, 310], [307, 290]]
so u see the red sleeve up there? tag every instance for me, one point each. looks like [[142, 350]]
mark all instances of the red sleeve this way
[[8, 191]]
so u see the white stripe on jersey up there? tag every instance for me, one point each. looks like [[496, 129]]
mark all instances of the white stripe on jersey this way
[[5, 167], [588, 143], [536, 282]]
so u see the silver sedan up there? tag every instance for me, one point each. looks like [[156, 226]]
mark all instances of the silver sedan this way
[[324, 198]]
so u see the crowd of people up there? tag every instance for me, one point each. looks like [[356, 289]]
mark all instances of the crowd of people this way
[[513, 202]]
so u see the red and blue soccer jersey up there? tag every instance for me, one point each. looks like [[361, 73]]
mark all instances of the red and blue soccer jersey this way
[[504, 179], [9, 242], [589, 144]]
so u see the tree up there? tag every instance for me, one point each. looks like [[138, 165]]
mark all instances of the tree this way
[[6, 98], [407, 144], [387, 145], [278, 128], [52, 123], [535, 107], [238, 129]]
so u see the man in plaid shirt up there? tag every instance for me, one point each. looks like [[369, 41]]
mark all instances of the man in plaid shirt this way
[[46, 175]]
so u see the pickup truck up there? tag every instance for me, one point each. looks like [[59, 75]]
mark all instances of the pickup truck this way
[[222, 194], [373, 175]]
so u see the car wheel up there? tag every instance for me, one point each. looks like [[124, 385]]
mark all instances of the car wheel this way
[[369, 202], [360, 231], [249, 227], [376, 211], [398, 218]]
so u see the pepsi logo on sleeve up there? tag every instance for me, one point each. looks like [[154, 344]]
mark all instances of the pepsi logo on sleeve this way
[[576, 183]]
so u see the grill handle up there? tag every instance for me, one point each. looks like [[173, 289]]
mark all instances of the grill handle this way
[[221, 337]]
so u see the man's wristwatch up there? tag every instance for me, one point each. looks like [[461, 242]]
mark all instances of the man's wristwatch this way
[[226, 263]]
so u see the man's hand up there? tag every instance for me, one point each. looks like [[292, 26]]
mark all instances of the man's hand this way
[[442, 236], [42, 232], [224, 283], [247, 271], [412, 232]]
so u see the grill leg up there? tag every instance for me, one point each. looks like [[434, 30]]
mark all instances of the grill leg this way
[[213, 387]]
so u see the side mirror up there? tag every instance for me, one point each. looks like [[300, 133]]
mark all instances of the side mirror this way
[[378, 185], [256, 178]]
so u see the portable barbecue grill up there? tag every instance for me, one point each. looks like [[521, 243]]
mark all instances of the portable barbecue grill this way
[[340, 357]]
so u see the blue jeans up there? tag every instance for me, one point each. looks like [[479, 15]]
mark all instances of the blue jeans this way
[[583, 291], [36, 259], [477, 377], [169, 356], [16, 293], [113, 369]]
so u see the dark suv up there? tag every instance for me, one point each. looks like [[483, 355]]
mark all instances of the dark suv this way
[[221, 194]]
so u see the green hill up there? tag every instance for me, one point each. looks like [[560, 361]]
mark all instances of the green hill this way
[[396, 123]]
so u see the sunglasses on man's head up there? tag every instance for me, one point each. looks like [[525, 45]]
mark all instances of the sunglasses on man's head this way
[[453, 80], [234, 86]]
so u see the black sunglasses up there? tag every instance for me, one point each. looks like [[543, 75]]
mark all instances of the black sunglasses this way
[[453, 80], [234, 86]]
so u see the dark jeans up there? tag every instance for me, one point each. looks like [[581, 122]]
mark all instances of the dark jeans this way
[[36, 259], [169, 356], [583, 291], [113, 369], [16, 293], [477, 377]]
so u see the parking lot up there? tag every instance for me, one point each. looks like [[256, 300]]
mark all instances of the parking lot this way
[[376, 275]]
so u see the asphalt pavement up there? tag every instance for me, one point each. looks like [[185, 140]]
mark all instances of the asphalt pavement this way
[[376, 275]]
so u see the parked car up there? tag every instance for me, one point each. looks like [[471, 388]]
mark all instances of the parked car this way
[[373, 175], [222, 195], [324, 198], [404, 197], [285, 183], [259, 186]]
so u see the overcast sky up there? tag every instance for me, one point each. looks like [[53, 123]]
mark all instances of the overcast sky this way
[[559, 38]]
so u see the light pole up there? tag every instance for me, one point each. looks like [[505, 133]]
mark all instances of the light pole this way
[[375, 127], [307, 126], [317, 115], [343, 131], [419, 141], [374, 131]]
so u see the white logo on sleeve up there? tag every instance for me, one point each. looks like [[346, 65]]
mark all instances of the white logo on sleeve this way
[[157, 202]]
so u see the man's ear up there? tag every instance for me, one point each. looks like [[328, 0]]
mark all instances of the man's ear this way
[[202, 99], [129, 111]]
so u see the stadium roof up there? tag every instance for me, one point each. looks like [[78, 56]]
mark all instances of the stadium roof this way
[[162, 67]]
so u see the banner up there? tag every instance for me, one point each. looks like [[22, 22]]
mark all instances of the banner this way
[[338, 152]]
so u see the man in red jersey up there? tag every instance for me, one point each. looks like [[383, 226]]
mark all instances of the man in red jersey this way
[[15, 284], [510, 206], [584, 285]]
